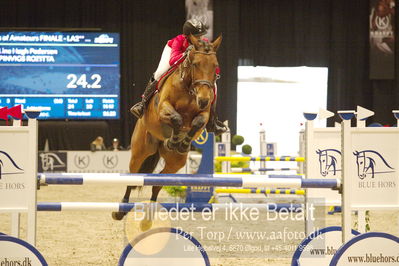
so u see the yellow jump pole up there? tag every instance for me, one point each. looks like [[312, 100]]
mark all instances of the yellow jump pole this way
[[260, 191], [259, 159]]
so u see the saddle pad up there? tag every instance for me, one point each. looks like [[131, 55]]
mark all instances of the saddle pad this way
[[169, 72]]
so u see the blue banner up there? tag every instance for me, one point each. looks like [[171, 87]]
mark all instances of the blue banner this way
[[64, 74]]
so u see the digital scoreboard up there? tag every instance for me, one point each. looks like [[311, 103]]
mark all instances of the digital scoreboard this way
[[66, 75]]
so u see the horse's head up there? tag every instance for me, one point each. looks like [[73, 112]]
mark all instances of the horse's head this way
[[327, 161], [323, 162], [361, 164], [203, 70]]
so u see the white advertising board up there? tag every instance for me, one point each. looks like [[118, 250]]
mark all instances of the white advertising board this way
[[374, 165], [323, 161], [18, 168]]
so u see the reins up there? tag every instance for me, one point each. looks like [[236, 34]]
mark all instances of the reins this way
[[187, 64]]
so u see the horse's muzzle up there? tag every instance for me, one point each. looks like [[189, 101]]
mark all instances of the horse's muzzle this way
[[202, 103]]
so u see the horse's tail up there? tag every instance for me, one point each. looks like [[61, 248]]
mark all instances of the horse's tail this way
[[150, 163]]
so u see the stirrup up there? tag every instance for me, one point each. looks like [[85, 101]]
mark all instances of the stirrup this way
[[137, 110], [217, 127], [219, 130]]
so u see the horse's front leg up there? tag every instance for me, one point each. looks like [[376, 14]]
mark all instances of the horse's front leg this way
[[170, 116], [197, 124]]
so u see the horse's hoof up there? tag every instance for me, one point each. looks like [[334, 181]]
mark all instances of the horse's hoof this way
[[118, 215], [182, 151], [169, 145], [145, 225]]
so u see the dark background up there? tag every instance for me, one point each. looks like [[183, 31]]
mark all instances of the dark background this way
[[327, 33]]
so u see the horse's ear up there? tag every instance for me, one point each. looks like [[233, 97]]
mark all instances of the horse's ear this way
[[217, 42], [193, 40]]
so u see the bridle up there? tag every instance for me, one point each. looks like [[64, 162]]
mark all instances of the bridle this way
[[188, 64]]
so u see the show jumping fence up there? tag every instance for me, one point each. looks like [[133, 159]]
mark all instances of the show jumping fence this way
[[19, 143]]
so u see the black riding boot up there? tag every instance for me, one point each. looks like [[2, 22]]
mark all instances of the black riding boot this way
[[214, 125], [138, 109]]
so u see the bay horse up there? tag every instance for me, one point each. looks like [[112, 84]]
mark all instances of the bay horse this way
[[175, 115]]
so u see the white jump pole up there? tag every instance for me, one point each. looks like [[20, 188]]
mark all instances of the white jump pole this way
[[361, 116], [226, 140], [396, 115], [346, 178], [309, 223], [263, 146]]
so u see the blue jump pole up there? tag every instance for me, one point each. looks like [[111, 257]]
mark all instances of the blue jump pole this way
[[186, 180], [171, 207]]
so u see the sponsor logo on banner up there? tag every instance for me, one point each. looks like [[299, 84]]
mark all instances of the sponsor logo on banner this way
[[382, 23], [103, 38], [194, 164], [382, 39], [81, 161], [271, 149], [202, 138], [8, 166], [370, 162], [110, 161], [329, 161], [52, 161], [221, 149]]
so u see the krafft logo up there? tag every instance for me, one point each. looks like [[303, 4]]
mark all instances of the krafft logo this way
[[382, 23], [371, 162], [328, 161], [82, 161], [51, 161], [8, 166], [110, 161]]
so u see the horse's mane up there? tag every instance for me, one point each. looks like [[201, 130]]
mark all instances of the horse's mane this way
[[205, 46]]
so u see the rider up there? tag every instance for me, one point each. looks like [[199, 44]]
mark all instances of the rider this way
[[173, 51]]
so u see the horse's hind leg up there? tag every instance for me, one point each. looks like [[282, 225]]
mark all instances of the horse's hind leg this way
[[155, 192], [173, 162]]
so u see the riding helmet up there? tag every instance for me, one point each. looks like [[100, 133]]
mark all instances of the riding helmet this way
[[194, 27]]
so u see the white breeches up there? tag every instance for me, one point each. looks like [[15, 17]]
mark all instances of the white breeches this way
[[163, 63]]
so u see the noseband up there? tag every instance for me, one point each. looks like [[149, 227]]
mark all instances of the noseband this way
[[187, 64]]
